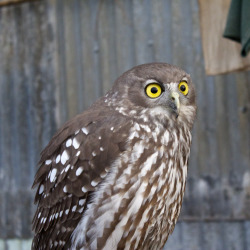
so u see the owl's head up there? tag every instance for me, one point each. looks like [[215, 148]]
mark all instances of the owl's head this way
[[160, 88]]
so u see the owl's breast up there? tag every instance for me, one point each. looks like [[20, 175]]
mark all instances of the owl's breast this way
[[141, 195], [164, 169]]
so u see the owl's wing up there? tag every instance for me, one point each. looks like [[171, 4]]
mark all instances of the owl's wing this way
[[76, 160]]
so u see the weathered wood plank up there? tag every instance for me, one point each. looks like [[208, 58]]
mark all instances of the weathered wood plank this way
[[79, 51], [212, 236], [246, 233], [106, 63], [27, 95], [7, 166], [243, 107], [124, 36], [142, 31], [91, 52], [60, 81], [234, 237], [161, 21], [70, 43]]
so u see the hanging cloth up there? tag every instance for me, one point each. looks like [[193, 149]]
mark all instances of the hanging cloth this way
[[238, 24]]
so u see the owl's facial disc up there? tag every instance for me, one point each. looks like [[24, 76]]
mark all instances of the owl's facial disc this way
[[170, 96], [151, 87]]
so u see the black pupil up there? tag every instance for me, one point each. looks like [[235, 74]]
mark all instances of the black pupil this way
[[154, 90], [183, 88]]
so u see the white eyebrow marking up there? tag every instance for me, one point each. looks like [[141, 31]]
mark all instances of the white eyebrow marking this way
[[185, 79], [151, 81]]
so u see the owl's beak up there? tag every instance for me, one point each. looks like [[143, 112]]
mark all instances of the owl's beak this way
[[175, 103]]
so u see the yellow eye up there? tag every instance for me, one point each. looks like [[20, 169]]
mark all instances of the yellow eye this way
[[183, 87], [153, 90]]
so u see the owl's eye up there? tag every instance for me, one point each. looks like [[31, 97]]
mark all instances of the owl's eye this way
[[183, 87], [153, 90]]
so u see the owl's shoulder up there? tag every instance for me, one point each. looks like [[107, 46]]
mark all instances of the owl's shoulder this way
[[99, 120]]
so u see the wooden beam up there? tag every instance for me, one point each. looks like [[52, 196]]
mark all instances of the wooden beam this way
[[14, 2]]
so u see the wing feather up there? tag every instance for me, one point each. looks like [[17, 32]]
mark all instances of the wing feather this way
[[72, 165]]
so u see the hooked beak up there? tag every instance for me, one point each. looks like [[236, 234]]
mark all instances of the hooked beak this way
[[175, 103]]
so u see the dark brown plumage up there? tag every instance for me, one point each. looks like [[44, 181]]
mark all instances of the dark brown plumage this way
[[114, 176]]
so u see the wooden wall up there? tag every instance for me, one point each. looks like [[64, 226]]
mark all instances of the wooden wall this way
[[58, 56]]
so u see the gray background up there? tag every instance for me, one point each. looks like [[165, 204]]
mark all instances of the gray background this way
[[58, 56]]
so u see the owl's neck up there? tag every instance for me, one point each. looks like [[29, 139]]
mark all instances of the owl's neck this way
[[159, 116]]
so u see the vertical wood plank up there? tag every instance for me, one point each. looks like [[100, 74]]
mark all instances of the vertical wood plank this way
[[144, 47], [106, 37], [161, 21], [234, 237], [124, 36], [211, 236]]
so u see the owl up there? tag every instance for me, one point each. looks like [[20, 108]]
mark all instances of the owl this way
[[114, 176]]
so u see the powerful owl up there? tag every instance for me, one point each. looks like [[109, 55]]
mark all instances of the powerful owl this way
[[114, 176]]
